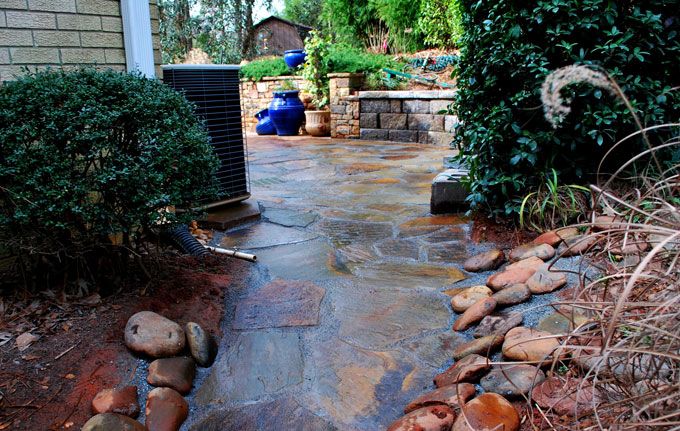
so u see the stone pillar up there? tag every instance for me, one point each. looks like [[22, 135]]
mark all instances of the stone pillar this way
[[344, 104]]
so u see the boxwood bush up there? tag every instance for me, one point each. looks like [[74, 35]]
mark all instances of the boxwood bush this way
[[510, 46], [89, 160]]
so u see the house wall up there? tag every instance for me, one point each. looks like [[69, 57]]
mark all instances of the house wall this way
[[65, 33]]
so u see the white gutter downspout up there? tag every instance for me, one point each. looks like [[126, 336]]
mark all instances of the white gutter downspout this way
[[137, 36]]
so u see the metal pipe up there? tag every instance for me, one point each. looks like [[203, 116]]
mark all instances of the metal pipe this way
[[233, 253]]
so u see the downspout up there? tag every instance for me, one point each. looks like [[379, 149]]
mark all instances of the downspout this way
[[137, 37]]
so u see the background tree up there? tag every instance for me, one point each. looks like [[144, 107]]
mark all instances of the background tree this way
[[307, 12], [177, 29], [440, 23]]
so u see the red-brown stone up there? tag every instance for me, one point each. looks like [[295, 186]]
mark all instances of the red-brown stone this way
[[454, 396], [477, 312], [487, 412], [486, 261], [118, 400], [468, 369], [551, 238], [175, 373], [432, 418], [509, 277], [166, 410]]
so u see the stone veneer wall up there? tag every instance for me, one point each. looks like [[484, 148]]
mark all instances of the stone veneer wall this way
[[257, 95], [345, 115], [65, 33], [406, 116]]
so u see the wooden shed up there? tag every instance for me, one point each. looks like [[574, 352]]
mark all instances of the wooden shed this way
[[275, 35]]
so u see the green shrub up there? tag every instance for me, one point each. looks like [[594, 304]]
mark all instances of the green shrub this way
[[258, 69], [401, 18], [440, 30], [510, 46], [345, 58], [315, 69], [87, 157]]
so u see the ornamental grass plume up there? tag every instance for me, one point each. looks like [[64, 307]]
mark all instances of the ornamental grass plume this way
[[555, 106]]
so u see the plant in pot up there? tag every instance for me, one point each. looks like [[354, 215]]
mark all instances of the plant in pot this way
[[315, 72], [286, 109]]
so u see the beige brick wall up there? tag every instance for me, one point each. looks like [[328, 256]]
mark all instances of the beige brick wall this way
[[65, 33]]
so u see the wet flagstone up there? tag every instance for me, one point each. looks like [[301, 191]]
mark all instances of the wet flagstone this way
[[398, 248], [410, 275], [343, 232], [310, 260], [377, 318], [447, 253], [262, 235], [254, 367], [278, 304], [290, 218]]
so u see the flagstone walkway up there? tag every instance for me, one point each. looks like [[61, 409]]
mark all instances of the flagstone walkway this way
[[345, 318]]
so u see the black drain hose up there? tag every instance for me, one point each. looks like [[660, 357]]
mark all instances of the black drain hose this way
[[184, 241]]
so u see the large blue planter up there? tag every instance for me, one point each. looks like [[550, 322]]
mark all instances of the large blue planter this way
[[287, 112], [264, 125], [294, 57]]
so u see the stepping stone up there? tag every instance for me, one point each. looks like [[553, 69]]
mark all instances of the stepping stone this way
[[446, 253], [166, 410], [515, 294], [487, 412], [480, 346], [498, 324], [468, 369], [151, 334], [469, 297], [112, 422], [454, 396], [280, 303], [527, 344], [432, 418], [122, 401], [578, 245], [546, 281], [486, 261], [566, 397], [541, 251], [175, 373], [200, 344], [509, 277], [475, 313], [551, 238], [512, 380]]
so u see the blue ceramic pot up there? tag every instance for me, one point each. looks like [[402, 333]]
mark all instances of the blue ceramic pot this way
[[294, 57], [264, 125], [287, 112]]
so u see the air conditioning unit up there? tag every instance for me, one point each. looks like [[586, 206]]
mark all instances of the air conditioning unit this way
[[214, 89]]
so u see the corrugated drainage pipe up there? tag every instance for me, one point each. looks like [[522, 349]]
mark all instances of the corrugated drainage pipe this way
[[181, 238]]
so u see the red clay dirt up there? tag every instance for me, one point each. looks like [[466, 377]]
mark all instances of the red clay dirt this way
[[40, 392]]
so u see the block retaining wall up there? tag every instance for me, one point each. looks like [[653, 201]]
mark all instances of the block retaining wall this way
[[406, 116]]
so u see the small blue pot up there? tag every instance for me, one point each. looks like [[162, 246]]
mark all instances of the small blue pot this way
[[287, 112], [264, 125], [294, 57]]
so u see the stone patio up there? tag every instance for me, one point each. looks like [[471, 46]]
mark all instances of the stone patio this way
[[345, 318]]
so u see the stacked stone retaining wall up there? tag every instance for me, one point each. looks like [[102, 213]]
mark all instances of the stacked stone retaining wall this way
[[407, 116]]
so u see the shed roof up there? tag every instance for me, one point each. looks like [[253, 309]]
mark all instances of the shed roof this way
[[276, 18]]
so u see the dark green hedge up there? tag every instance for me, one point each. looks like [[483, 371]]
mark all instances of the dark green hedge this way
[[510, 46], [87, 154]]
